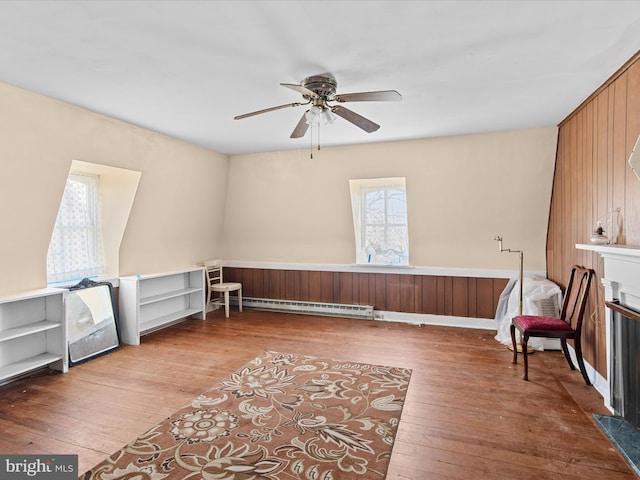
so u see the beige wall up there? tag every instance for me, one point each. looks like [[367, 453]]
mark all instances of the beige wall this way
[[177, 215], [461, 192], [281, 207]]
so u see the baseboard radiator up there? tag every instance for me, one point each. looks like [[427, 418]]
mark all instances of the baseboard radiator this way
[[310, 308]]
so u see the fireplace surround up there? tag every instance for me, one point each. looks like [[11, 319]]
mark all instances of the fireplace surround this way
[[621, 283], [625, 381], [620, 389]]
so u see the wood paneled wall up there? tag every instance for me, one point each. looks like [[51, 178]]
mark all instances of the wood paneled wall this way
[[407, 293], [592, 177]]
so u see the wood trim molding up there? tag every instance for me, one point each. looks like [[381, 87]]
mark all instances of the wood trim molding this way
[[410, 270]]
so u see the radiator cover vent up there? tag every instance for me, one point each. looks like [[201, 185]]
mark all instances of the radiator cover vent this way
[[310, 308], [549, 307]]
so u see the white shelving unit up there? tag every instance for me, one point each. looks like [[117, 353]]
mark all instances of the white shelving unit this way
[[150, 302], [33, 333]]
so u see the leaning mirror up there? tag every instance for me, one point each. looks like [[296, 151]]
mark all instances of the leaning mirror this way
[[92, 326]]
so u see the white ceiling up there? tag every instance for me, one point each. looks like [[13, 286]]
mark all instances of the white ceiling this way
[[186, 68]]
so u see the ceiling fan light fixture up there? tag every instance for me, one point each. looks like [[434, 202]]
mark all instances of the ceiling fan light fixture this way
[[319, 115], [327, 116], [314, 115]]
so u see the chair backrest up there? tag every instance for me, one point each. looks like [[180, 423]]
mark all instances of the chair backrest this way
[[213, 270], [576, 296]]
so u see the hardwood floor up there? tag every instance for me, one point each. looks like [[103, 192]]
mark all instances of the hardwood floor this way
[[468, 413]]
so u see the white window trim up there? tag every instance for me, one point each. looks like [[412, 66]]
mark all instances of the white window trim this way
[[358, 188], [67, 268]]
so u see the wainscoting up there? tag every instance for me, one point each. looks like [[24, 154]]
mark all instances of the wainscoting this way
[[457, 296]]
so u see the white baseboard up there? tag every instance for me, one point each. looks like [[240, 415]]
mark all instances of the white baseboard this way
[[442, 320], [600, 383]]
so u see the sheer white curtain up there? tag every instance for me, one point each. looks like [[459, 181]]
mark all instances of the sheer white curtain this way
[[76, 250], [379, 208]]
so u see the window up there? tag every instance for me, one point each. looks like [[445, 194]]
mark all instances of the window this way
[[380, 221], [75, 250]]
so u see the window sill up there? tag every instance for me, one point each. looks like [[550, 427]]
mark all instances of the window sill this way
[[382, 268], [382, 265], [115, 281]]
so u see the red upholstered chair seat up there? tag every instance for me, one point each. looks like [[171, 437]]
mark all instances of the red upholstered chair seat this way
[[532, 322]]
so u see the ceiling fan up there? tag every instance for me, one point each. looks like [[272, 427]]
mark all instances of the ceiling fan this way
[[319, 91]]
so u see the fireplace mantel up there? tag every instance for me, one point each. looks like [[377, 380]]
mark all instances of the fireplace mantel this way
[[613, 251], [621, 282], [621, 272]]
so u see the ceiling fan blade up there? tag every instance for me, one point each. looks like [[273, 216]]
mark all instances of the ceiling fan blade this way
[[358, 120], [379, 96], [258, 112], [301, 128], [300, 89]]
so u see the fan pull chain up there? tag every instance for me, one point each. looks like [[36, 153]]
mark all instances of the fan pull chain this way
[[311, 140]]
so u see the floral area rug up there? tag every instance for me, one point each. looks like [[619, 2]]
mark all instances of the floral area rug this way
[[280, 417]]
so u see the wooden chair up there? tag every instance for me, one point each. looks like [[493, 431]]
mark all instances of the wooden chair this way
[[568, 326], [218, 289]]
